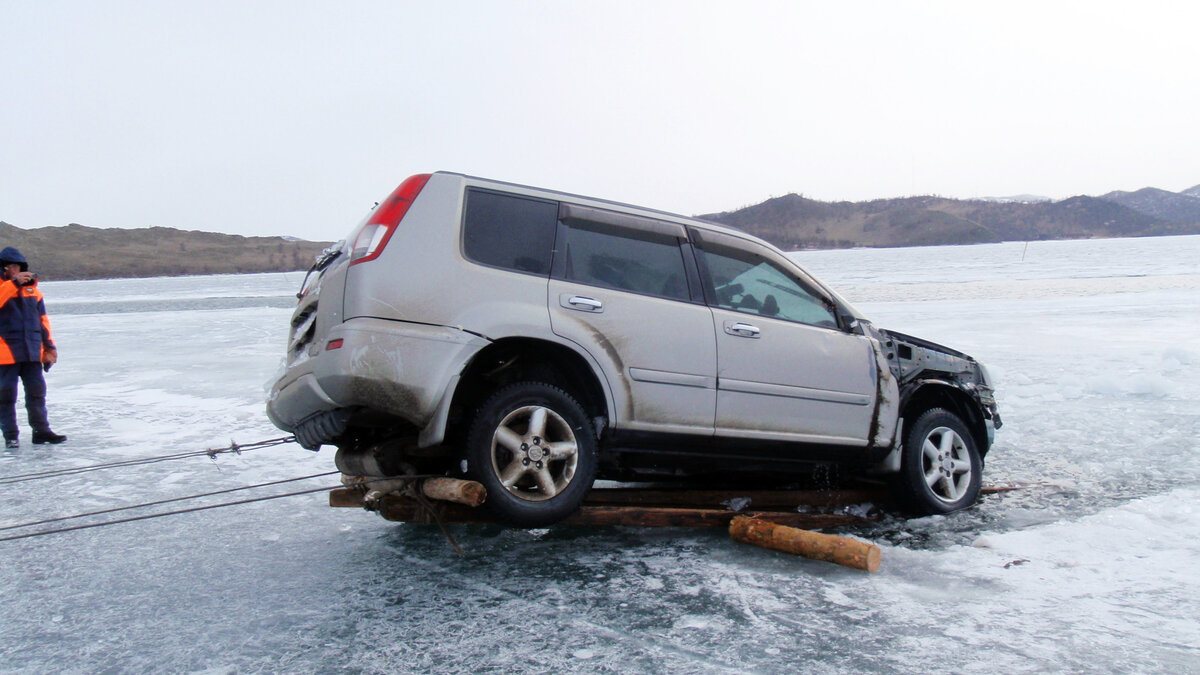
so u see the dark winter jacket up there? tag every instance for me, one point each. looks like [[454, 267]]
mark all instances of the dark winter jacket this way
[[24, 327]]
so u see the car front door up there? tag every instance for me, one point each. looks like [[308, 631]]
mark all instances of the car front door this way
[[623, 289], [785, 368]]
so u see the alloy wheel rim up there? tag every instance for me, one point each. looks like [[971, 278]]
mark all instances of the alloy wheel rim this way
[[534, 453], [946, 465]]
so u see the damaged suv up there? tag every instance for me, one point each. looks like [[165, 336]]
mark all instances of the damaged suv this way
[[537, 341]]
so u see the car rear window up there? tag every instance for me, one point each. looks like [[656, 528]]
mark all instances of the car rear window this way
[[508, 231]]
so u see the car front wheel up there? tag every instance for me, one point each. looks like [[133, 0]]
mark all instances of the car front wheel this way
[[532, 447], [940, 467]]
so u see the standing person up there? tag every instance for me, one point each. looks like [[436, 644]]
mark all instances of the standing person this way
[[25, 349]]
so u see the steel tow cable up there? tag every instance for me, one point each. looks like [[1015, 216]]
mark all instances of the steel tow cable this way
[[166, 501], [233, 447], [166, 513], [199, 508], [212, 454]]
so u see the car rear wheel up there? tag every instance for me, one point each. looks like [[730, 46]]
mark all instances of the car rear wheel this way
[[532, 447], [940, 468]]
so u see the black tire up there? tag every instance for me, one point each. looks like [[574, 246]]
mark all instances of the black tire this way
[[940, 468], [531, 445]]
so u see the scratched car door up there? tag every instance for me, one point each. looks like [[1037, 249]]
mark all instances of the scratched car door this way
[[624, 291]]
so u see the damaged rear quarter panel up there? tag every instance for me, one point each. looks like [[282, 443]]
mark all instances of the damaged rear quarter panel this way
[[394, 367]]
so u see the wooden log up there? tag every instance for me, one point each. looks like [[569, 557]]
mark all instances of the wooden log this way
[[997, 489], [346, 498], [841, 550], [466, 492], [406, 510]]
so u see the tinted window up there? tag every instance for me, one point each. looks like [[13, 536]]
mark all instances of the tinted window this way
[[614, 258], [509, 231], [747, 283]]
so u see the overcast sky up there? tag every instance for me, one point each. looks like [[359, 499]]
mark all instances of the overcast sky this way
[[293, 118]]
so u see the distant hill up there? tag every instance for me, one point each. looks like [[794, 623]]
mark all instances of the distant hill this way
[[79, 252], [1018, 198], [794, 222], [1175, 207], [791, 222]]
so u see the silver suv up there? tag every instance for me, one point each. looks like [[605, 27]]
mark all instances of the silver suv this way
[[537, 341]]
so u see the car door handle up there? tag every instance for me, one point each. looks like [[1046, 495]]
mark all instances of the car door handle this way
[[583, 303], [739, 329]]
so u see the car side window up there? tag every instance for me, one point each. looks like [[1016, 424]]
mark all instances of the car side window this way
[[638, 262], [508, 231], [744, 282]]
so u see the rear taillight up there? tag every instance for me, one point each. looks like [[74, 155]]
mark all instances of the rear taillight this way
[[374, 235]]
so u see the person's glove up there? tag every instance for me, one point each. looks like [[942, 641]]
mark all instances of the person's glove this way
[[49, 358]]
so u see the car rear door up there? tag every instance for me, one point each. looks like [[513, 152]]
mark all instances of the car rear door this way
[[626, 289], [785, 369]]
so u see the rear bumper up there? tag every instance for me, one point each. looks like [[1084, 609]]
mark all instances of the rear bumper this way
[[391, 367], [287, 406]]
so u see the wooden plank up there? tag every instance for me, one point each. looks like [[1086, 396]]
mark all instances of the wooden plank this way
[[641, 516], [352, 498], [403, 509], [767, 499], [682, 497], [644, 507]]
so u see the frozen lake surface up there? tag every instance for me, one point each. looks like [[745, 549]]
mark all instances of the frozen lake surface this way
[[1095, 567]]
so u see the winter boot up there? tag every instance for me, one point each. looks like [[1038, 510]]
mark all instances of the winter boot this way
[[47, 436], [12, 443]]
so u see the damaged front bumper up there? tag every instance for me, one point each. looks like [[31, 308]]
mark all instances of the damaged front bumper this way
[[921, 366]]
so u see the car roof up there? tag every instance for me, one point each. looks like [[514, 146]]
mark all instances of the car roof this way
[[612, 204], [690, 221]]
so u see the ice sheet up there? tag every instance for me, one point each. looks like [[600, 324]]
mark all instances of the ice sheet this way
[[1097, 566]]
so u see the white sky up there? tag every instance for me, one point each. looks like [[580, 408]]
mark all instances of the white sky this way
[[294, 117]]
